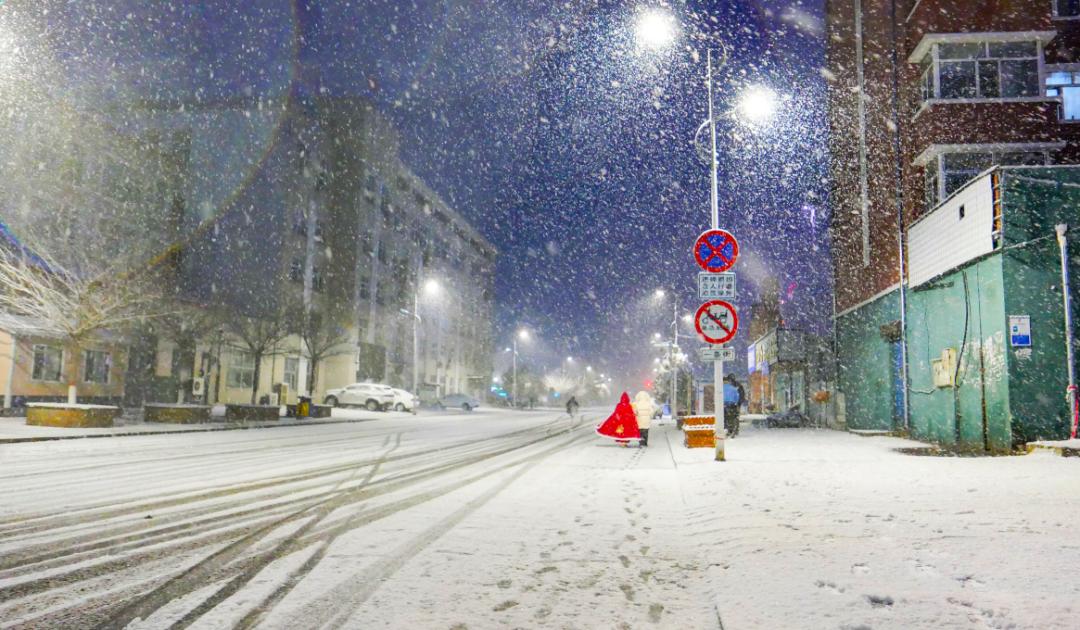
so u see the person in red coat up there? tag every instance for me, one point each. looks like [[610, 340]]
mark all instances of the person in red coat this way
[[621, 425]]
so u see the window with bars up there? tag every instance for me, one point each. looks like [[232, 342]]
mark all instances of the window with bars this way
[[292, 373], [1067, 8], [948, 172], [48, 363], [96, 364], [982, 70], [241, 371], [1065, 85]]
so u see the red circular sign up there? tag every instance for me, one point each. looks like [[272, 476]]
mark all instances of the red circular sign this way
[[716, 250], [716, 321]]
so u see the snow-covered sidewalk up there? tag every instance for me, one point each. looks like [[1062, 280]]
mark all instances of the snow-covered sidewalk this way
[[799, 529]]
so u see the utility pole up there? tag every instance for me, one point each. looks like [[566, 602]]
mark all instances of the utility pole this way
[[513, 359], [674, 359], [718, 366], [1063, 243]]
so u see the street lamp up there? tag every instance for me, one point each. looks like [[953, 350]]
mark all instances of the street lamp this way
[[428, 288], [757, 105], [523, 335], [660, 294], [647, 37], [655, 29]]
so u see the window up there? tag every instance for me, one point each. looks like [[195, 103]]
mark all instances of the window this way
[[948, 172], [984, 70], [316, 278], [241, 371], [1067, 8], [96, 366], [1065, 85], [292, 373], [48, 363]]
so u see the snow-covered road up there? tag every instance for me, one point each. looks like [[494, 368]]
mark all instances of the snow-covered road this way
[[526, 520]]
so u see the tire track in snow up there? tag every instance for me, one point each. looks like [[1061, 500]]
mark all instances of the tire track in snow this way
[[404, 479], [102, 511], [336, 607]]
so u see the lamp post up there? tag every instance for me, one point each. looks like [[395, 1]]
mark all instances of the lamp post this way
[[430, 287], [524, 336], [673, 351]]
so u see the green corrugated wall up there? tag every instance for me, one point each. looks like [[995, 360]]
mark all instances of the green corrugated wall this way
[[962, 310], [1032, 269], [864, 362]]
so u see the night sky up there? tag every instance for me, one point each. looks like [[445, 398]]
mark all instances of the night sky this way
[[547, 127]]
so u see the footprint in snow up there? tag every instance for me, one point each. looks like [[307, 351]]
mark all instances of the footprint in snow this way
[[505, 605], [879, 601], [655, 611], [829, 586], [627, 591]]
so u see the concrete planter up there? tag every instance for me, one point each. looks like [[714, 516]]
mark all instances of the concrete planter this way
[[251, 413], [176, 414], [70, 416]]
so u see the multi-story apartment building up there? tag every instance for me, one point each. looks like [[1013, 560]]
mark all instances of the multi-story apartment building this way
[[321, 213], [925, 95]]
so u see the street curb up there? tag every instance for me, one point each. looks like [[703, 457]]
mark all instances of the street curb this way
[[54, 438], [1060, 451]]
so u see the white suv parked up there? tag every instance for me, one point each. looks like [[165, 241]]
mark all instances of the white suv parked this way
[[371, 395]]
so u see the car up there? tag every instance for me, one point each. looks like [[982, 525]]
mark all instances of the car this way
[[464, 402], [405, 400], [373, 396]]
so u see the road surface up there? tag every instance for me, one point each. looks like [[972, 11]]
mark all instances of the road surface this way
[[521, 520]]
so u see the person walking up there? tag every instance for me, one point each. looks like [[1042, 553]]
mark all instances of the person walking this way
[[734, 395], [621, 425], [572, 406], [644, 408]]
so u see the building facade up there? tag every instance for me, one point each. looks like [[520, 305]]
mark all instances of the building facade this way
[[328, 221], [925, 95]]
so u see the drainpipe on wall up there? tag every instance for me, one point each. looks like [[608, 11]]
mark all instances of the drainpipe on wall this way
[[902, 261], [1063, 244]]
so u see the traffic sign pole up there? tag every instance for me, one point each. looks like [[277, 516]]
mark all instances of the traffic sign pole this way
[[718, 406]]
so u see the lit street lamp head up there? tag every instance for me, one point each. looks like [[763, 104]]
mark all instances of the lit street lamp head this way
[[523, 335], [757, 105], [431, 287], [655, 29]]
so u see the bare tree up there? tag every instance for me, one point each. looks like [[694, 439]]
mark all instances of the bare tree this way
[[260, 336], [73, 305], [322, 338]]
